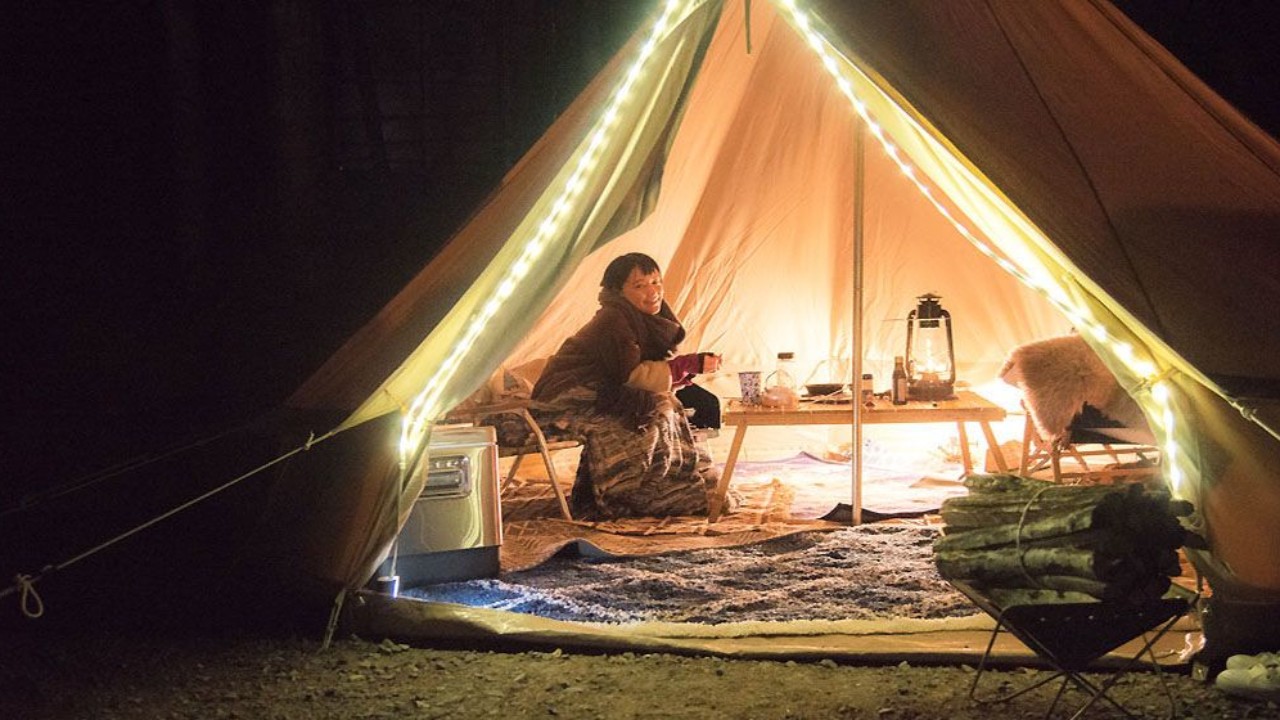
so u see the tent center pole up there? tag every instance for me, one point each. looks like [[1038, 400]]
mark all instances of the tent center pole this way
[[855, 391]]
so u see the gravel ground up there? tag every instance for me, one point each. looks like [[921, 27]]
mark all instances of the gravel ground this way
[[106, 675]]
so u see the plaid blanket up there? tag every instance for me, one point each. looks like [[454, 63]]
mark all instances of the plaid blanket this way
[[657, 471]]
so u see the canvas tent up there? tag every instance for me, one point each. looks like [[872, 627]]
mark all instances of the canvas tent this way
[[1038, 165]]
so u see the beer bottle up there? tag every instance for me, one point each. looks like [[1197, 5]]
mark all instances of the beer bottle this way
[[899, 381]]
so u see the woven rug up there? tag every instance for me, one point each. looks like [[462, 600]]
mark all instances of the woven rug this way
[[761, 562], [869, 572], [779, 498], [533, 531]]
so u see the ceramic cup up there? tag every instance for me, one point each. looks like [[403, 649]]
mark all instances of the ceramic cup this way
[[751, 387]]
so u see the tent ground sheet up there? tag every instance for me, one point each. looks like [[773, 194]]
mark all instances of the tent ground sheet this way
[[760, 582]]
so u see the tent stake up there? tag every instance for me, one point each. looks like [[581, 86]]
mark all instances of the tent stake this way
[[334, 613]]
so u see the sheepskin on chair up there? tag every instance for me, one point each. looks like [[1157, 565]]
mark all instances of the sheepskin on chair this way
[[1057, 376]]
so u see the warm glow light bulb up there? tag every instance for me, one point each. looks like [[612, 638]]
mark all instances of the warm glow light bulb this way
[[1160, 393]]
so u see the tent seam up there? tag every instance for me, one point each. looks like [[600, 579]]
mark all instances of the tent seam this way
[[1183, 86], [1093, 188]]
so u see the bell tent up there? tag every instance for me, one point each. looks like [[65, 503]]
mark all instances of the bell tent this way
[[802, 170]]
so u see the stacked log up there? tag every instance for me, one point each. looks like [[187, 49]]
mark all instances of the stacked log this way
[[1023, 540]]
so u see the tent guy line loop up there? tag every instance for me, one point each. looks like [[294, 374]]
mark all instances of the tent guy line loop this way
[[335, 614], [25, 583], [32, 605]]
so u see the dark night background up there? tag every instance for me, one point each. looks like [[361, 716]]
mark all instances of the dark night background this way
[[202, 200]]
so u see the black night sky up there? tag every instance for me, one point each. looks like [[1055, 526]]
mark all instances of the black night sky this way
[[197, 213], [196, 209]]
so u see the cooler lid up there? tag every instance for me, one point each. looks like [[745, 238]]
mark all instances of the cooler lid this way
[[452, 436]]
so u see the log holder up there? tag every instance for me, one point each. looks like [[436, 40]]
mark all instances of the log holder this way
[[1071, 635]]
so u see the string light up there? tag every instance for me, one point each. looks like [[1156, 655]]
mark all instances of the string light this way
[[1078, 313], [424, 404]]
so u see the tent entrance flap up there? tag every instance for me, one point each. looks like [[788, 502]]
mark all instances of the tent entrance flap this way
[[606, 183]]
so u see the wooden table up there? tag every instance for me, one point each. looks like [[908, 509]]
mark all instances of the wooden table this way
[[965, 407]]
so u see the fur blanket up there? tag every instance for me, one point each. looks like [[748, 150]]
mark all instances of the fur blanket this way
[[1057, 377]]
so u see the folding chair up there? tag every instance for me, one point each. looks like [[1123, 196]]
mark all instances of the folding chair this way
[[537, 444], [544, 447], [1097, 455], [1077, 410]]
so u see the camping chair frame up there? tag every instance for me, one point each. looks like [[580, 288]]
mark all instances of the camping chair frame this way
[[1093, 462], [539, 446], [1069, 636]]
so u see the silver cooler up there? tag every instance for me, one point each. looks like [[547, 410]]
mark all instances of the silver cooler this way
[[454, 531]]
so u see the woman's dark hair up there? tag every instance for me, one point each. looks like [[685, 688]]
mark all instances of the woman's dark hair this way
[[620, 269]]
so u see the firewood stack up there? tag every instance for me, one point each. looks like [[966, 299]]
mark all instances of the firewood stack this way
[[1025, 541]]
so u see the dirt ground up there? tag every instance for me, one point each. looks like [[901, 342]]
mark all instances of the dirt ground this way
[[110, 675]]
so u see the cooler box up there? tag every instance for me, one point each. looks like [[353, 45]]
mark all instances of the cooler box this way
[[454, 531]]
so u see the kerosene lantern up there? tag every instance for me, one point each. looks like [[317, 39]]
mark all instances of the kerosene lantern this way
[[931, 356]]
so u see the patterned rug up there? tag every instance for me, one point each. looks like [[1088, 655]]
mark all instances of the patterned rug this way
[[779, 498], [772, 559], [869, 572], [533, 532]]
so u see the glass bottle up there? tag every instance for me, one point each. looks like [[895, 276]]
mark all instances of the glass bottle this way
[[785, 373], [867, 389], [899, 381]]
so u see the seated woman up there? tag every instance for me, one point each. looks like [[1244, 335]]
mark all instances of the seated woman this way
[[611, 386]]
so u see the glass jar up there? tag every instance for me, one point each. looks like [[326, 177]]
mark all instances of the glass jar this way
[[780, 390], [784, 375]]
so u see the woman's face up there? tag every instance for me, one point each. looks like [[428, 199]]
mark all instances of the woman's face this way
[[644, 291]]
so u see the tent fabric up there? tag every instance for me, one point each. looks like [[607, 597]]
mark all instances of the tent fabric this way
[[949, 640], [754, 232], [1050, 140], [1151, 183]]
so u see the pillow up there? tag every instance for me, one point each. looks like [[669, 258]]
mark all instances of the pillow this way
[[651, 375], [516, 383]]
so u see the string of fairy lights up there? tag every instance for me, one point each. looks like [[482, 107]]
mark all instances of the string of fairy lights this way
[[1151, 381], [423, 408]]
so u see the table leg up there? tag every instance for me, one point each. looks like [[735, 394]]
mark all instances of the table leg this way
[[994, 446], [964, 448], [722, 487]]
